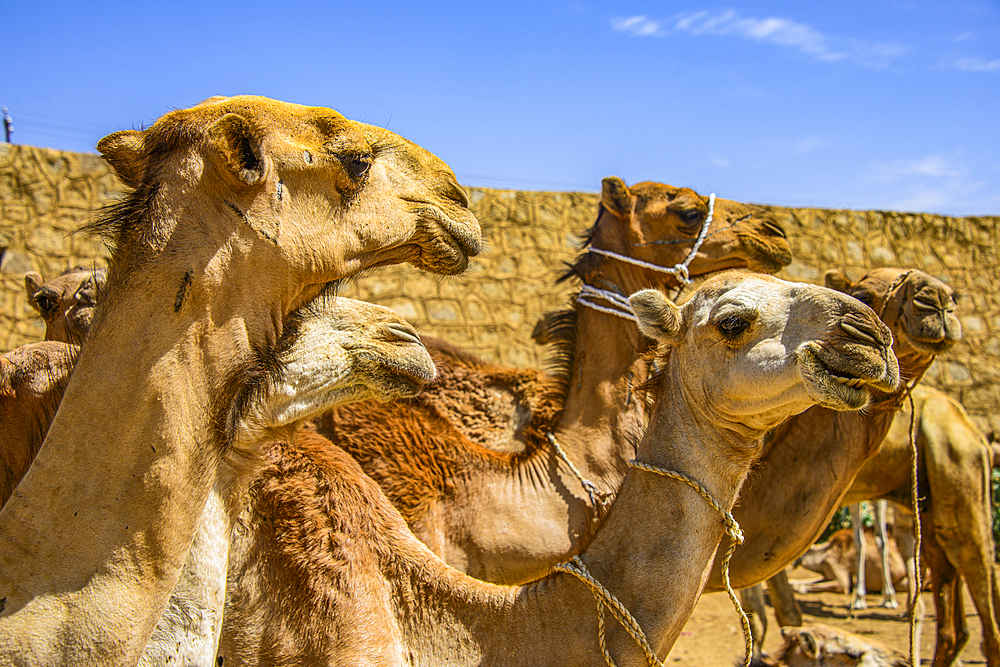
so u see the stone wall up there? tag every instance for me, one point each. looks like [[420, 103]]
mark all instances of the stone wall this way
[[491, 309]]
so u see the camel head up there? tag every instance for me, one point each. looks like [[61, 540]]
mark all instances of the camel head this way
[[326, 195], [918, 308], [659, 223], [336, 351], [66, 302], [749, 351]]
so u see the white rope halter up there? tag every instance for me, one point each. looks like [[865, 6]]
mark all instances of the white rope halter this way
[[620, 306]]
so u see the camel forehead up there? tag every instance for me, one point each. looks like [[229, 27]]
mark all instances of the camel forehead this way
[[297, 122], [659, 198]]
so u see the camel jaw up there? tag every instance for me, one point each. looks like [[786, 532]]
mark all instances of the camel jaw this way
[[833, 386]]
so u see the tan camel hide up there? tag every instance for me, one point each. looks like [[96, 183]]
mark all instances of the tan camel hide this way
[[956, 522], [325, 571], [244, 210], [820, 645], [810, 462], [66, 302], [837, 560], [338, 351], [468, 463]]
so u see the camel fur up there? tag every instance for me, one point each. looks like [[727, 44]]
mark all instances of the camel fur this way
[[244, 209], [468, 462], [324, 569]]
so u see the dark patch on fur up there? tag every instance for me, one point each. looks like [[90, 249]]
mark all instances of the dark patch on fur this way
[[586, 262], [126, 224], [249, 382], [185, 283], [558, 330]]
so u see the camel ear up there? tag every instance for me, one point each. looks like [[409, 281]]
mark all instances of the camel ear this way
[[838, 280], [237, 150], [124, 152], [616, 197], [658, 317], [808, 644], [32, 283]]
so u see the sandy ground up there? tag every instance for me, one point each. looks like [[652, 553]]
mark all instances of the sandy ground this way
[[713, 637]]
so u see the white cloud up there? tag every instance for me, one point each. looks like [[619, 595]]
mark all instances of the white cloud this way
[[769, 30], [808, 144], [721, 162], [638, 26], [973, 64]]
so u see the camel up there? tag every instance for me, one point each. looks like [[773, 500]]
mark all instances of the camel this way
[[954, 463], [66, 302], [352, 350], [837, 560], [820, 645], [469, 463], [244, 209], [32, 381], [919, 309], [324, 569]]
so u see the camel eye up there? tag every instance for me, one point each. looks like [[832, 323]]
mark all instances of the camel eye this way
[[691, 217], [731, 327], [46, 304], [357, 165]]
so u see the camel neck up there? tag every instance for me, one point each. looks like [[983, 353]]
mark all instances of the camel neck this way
[[655, 570], [124, 474]]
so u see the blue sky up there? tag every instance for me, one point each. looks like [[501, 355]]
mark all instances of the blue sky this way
[[880, 104]]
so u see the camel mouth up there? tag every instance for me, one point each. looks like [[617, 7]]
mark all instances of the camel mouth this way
[[831, 385], [399, 376], [444, 243]]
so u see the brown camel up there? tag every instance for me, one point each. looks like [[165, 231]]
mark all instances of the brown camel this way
[[954, 464], [339, 351], [32, 381], [468, 462], [244, 210], [324, 569], [820, 645], [66, 302]]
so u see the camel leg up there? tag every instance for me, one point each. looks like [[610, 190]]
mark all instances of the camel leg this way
[[858, 600], [882, 540], [786, 608], [836, 579], [752, 599], [945, 587]]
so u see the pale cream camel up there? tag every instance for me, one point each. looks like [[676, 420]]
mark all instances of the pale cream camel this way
[[66, 302], [335, 352], [468, 462], [324, 569], [920, 311], [244, 210], [954, 464], [810, 462], [820, 645]]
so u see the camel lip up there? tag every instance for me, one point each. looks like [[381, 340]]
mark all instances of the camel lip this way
[[928, 345], [834, 387], [446, 243]]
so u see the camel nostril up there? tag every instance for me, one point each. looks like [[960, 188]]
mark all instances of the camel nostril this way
[[774, 228], [458, 193], [404, 332], [862, 332]]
